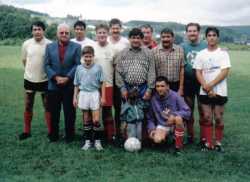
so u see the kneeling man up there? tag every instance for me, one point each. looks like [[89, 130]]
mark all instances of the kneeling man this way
[[167, 110]]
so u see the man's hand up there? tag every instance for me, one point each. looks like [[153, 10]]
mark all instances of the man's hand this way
[[125, 94], [103, 101], [147, 95], [75, 102], [207, 87], [61, 80]]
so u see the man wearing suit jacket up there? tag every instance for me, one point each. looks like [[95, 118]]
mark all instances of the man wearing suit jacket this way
[[61, 60]]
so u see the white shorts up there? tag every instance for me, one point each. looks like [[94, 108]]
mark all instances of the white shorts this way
[[165, 128], [89, 100]]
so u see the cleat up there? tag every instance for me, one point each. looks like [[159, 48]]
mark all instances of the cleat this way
[[24, 136]]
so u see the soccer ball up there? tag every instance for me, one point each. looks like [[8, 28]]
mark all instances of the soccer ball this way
[[132, 144]]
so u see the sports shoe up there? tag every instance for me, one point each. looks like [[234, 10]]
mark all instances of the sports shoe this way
[[205, 147], [87, 145], [98, 145], [219, 148], [177, 152], [24, 136]]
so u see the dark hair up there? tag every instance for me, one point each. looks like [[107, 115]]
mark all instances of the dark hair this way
[[88, 50], [197, 25], [162, 78], [80, 24], [136, 32], [212, 29], [167, 31], [147, 26], [115, 21], [102, 25], [38, 24]]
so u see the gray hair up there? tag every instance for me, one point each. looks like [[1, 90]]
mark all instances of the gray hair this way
[[61, 25]]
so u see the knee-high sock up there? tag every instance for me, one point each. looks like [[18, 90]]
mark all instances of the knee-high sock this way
[[87, 131], [202, 132], [208, 133], [179, 133], [109, 129], [219, 132], [96, 131], [190, 128], [47, 116], [27, 121]]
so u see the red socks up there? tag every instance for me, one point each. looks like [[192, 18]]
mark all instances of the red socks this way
[[27, 121], [202, 132], [109, 129], [219, 132], [208, 133], [190, 128], [47, 116], [179, 133]]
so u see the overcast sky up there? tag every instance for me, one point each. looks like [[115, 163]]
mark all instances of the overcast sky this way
[[216, 12]]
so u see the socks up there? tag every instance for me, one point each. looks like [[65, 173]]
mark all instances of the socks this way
[[109, 129], [202, 130], [87, 131], [179, 133], [208, 133], [47, 116], [97, 131], [219, 133], [27, 121], [190, 128]]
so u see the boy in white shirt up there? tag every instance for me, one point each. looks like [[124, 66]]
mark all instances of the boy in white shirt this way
[[212, 67]]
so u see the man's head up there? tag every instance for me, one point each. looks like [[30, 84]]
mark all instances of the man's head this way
[[79, 28], [115, 26], [63, 33], [135, 38], [88, 55], [147, 31], [38, 29], [193, 32], [162, 86], [167, 38], [102, 34], [212, 36]]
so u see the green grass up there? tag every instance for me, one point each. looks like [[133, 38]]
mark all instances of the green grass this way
[[37, 160]]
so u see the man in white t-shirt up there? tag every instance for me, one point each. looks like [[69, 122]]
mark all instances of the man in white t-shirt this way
[[212, 67], [118, 43], [80, 34], [104, 56], [35, 78]]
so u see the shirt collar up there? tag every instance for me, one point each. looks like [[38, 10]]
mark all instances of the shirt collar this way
[[134, 50], [173, 47]]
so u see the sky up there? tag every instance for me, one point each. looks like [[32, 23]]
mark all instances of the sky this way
[[206, 12]]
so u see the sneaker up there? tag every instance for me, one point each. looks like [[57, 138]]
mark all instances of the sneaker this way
[[205, 147], [24, 136], [219, 148], [98, 145], [177, 152], [87, 145]]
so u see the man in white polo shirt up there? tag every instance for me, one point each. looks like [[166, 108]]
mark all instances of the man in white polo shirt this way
[[80, 35], [104, 56], [35, 78]]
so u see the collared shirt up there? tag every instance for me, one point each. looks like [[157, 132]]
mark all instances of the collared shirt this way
[[88, 79], [135, 67], [62, 50], [33, 52], [169, 64], [173, 102]]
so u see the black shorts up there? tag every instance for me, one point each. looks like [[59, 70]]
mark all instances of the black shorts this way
[[191, 88], [218, 100], [36, 87]]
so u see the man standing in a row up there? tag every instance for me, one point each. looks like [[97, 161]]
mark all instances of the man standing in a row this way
[[169, 61], [35, 78], [191, 86], [61, 60]]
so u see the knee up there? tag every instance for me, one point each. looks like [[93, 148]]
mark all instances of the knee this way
[[207, 118], [218, 120], [179, 121]]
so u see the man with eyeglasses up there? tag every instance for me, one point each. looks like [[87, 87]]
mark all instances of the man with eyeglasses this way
[[61, 60]]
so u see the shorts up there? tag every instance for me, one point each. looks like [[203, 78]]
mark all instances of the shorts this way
[[89, 100], [109, 96], [167, 129], [191, 88], [35, 87], [218, 100]]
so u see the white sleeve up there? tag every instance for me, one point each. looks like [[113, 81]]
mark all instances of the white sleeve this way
[[225, 61], [24, 51], [198, 62]]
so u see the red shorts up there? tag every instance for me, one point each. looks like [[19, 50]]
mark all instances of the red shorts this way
[[109, 96]]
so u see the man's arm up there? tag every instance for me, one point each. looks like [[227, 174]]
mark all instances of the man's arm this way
[[222, 75], [182, 108], [76, 59], [47, 65]]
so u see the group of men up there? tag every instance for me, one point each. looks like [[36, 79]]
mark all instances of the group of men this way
[[168, 78]]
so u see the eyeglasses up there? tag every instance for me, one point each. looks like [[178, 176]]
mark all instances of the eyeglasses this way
[[66, 33]]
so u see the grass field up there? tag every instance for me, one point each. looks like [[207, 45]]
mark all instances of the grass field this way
[[37, 160]]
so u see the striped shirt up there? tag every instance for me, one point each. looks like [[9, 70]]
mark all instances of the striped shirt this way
[[135, 67], [169, 64]]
